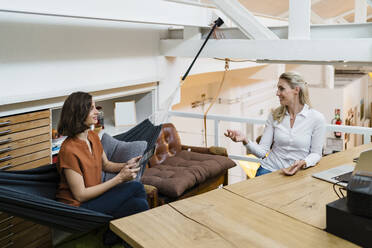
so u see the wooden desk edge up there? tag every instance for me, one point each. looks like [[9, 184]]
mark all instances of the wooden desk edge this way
[[123, 235]]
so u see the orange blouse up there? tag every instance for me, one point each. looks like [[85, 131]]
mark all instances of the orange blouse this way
[[75, 155]]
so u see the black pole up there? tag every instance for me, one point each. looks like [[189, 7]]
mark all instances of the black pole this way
[[217, 23]]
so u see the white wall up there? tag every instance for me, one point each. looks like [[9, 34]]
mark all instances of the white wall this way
[[314, 75], [326, 101], [347, 95], [251, 92], [43, 56], [356, 99]]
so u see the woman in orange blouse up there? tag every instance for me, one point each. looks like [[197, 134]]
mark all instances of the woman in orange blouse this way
[[81, 161]]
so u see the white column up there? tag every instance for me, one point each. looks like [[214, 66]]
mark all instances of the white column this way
[[299, 19], [329, 76], [360, 15]]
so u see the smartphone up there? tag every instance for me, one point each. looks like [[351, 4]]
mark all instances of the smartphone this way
[[142, 162]]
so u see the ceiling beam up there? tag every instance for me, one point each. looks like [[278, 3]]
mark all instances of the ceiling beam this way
[[286, 14], [299, 19], [341, 20], [316, 19], [361, 6], [343, 15], [244, 20], [360, 15], [351, 50], [138, 11], [323, 32], [369, 2]]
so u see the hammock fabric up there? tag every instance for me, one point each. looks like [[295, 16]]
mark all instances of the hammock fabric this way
[[30, 194]]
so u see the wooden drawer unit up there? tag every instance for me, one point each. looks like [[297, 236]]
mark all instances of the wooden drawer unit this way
[[17, 232], [16, 119], [30, 235], [25, 143], [25, 140]]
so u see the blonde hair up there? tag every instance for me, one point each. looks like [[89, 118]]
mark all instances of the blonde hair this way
[[294, 80]]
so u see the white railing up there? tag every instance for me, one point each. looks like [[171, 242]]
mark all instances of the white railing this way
[[365, 131]]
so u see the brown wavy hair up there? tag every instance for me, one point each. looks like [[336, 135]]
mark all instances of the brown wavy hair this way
[[293, 79], [75, 111]]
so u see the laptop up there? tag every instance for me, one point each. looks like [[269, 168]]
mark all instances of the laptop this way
[[142, 163], [341, 174]]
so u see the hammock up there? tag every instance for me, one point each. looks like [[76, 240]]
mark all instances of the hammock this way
[[30, 194]]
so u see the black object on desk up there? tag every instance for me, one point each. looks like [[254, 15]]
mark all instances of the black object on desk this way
[[343, 178], [359, 195], [342, 223]]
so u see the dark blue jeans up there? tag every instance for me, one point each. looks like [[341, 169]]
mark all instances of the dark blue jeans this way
[[120, 201], [123, 200], [261, 171]]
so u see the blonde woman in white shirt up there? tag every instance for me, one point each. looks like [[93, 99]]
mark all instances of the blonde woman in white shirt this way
[[294, 132]]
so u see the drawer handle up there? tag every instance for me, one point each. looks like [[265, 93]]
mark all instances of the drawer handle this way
[[6, 228], [5, 123], [6, 149], [6, 167], [7, 219], [5, 141], [9, 244], [7, 157], [5, 132]]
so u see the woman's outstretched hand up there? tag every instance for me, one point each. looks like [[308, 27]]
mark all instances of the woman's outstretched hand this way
[[236, 136], [297, 165]]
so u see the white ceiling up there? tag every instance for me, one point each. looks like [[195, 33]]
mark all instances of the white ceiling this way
[[326, 9]]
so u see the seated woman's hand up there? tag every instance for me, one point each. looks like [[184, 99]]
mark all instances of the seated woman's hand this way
[[128, 172], [236, 136], [134, 160], [297, 165]]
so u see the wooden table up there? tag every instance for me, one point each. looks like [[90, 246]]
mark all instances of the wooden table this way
[[301, 196], [269, 211]]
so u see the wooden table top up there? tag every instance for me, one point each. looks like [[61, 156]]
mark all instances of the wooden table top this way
[[300, 196], [220, 218], [268, 211], [165, 227]]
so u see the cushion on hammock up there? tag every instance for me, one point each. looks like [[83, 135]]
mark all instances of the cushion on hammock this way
[[185, 170], [120, 151]]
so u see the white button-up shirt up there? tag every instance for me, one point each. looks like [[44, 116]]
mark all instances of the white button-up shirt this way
[[304, 141]]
